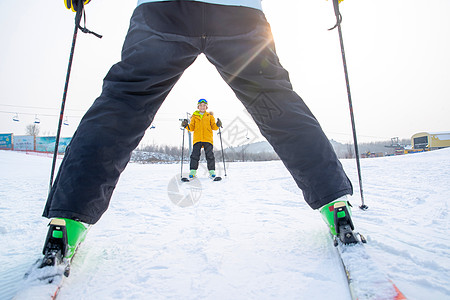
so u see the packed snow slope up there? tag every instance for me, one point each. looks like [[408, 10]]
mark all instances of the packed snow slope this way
[[250, 236]]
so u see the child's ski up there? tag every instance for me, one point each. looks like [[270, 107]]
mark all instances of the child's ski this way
[[185, 179]]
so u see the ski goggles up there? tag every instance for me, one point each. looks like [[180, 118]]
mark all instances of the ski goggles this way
[[202, 101]]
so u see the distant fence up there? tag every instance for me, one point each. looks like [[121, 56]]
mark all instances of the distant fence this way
[[9, 141], [24, 143], [6, 141]]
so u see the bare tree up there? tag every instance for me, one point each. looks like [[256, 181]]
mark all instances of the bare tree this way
[[33, 129], [350, 151]]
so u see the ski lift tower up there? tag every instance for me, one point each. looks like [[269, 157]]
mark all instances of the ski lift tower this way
[[398, 148]]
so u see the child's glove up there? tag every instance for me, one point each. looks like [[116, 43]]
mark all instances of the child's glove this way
[[184, 123], [219, 123], [74, 4]]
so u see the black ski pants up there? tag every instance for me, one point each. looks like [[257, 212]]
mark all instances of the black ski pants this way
[[209, 153], [164, 39]]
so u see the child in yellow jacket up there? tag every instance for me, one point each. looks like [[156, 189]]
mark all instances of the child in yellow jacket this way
[[202, 124]]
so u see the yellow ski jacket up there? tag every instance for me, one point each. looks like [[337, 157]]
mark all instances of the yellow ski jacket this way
[[203, 126]]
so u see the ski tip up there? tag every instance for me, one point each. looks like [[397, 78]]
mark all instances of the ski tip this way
[[217, 178], [184, 179], [399, 295]]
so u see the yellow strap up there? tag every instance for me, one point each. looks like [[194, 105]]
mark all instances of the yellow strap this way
[[69, 4]]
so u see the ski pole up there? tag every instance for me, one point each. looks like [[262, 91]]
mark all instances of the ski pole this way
[[63, 103], [182, 156], [78, 16], [344, 61], [223, 156]]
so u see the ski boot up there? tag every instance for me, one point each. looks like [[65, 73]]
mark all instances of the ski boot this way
[[192, 173], [212, 173], [337, 215], [63, 238]]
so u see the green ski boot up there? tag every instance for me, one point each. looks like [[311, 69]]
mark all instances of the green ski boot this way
[[212, 173], [337, 215], [192, 173], [63, 238]]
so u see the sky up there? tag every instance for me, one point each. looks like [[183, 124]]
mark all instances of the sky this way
[[396, 50]]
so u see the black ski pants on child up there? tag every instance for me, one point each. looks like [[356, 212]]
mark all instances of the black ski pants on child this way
[[209, 153], [163, 40]]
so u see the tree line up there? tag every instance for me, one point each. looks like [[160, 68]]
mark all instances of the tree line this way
[[171, 154]]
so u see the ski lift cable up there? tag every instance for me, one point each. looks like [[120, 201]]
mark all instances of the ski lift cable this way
[[31, 114], [40, 107]]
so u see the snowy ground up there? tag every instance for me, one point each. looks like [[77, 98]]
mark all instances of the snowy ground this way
[[250, 236]]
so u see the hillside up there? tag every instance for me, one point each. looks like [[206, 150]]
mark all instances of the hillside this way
[[241, 238]]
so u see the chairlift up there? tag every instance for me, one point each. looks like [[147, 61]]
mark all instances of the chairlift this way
[[36, 120], [66, 121], [152, 127], [16, 118]]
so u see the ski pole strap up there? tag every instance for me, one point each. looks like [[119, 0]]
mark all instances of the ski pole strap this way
[[81, 13], [337, 13]]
